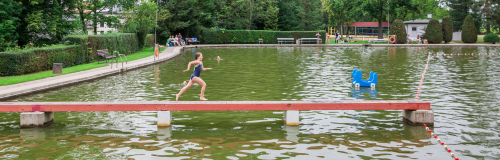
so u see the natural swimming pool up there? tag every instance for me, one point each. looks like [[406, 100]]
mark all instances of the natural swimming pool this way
[[463, 91]]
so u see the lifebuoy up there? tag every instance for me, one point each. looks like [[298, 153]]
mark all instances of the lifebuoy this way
[[392, 40]]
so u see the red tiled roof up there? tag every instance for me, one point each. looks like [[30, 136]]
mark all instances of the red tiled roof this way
[[369, 24]]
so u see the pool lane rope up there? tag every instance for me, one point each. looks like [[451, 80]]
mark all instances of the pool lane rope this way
[[464, 54], [442, 143], [423, 75]]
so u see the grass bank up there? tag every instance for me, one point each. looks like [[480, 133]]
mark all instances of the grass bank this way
[[41, 75]]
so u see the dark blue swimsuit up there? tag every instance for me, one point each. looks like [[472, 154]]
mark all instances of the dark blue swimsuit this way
[[197, 71]]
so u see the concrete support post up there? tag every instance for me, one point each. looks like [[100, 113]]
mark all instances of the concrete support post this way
[[36, 119], [291, 117], [164, 118], [419, 117]]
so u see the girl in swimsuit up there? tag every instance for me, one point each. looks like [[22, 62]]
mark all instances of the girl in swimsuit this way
[[195, 77]]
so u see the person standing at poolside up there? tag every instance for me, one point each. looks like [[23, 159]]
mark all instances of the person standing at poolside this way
[[327, 37], [180, 39], [337, 36], [317, 36], [195, 77]]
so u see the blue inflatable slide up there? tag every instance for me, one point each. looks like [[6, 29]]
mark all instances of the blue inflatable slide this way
[[356, 79]]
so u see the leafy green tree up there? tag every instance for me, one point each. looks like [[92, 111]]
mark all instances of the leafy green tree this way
[[342, 12], [487, 9], [187, 17], [143, 20], [398, 28], [447, 29], [434, 32], [8, 23], [91, 11], [378, 10], [272, 17], [310, 16], [287, 16], [460, 9], [44, 21], [469, 34]]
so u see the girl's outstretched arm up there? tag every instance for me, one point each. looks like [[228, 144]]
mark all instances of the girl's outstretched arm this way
[[205, 69], [191, 63]]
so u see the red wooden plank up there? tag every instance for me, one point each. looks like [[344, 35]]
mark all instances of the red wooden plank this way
[[213, 106]]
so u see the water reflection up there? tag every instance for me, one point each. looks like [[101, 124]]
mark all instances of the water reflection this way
[[164, 132], [364, 93]]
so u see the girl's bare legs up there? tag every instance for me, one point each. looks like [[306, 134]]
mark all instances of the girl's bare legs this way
[[184, 89], [203, 86]]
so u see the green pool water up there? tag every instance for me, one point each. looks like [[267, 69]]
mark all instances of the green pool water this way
[[463, 89]]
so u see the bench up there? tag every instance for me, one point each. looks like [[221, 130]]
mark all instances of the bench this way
[[189, 41], [281, 40], [378, 40], [104, 54], [310, 40]]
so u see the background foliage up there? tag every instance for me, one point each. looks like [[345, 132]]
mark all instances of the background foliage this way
[[252, 36], [77, 50], [491, 38], [469, 34], [434, 32], [398, 28], [447, 26]]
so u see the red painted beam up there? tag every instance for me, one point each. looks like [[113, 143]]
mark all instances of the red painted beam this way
[[214, 105]]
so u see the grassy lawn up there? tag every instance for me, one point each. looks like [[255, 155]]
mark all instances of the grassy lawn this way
[[479, 40], [40, 75]]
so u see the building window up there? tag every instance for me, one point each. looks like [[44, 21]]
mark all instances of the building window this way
[[413, 28], [102, 24]]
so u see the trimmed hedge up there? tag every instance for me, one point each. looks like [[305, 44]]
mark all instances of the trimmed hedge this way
[[40, 59], [491, 38], [78, 50], [469, 34], [434, 32], [252, 36], [124, 43], [150, 40], [447, 29], [398, 28]]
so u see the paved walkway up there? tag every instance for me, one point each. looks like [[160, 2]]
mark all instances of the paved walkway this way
[[62, 80], [346, 45]]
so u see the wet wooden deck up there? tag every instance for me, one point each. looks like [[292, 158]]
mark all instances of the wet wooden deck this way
[[214, 105]]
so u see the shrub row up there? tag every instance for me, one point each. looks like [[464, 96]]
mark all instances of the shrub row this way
[[40, 59], [76, 50], [469, 34], [149, 41], [434, 32], [124, 43], [252, 36]]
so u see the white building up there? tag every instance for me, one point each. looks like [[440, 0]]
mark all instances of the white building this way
[[417, 27], [102, 28]]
